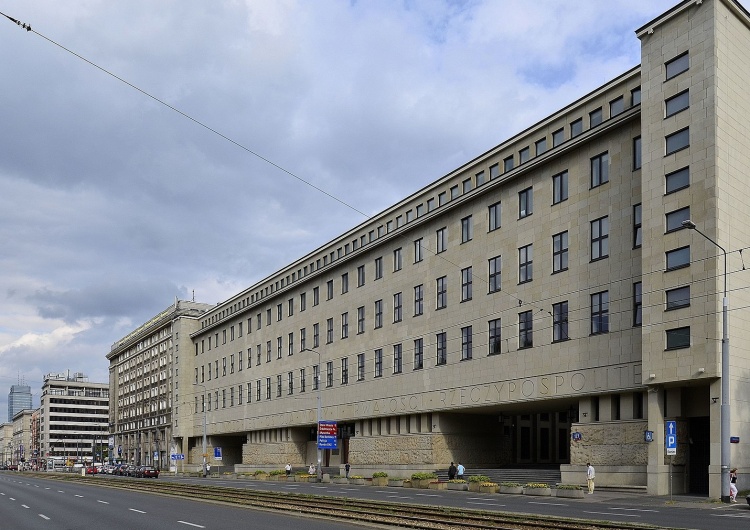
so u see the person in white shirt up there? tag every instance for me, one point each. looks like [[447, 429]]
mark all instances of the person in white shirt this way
[[288, 469], [590, 474], [460, 471]]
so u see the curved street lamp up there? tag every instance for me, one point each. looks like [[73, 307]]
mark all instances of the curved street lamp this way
[[725, 407]]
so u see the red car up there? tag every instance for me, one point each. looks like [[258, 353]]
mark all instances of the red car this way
[[147, 472], [91, 470]]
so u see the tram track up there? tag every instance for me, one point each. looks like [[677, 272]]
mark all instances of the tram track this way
[[347, 509]]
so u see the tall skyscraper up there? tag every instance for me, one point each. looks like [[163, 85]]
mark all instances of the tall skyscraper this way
[[19, 398]]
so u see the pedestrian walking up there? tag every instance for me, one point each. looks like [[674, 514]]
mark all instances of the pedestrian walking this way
[[460, 471], [590, 475], [733, 485], [288, 469], [452, 471], [311, 469], [347, 467]]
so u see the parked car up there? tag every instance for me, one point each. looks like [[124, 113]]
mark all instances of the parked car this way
[[91, 470], [147, 472]]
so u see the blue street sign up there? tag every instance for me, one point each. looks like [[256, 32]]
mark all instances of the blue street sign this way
[[671, 437], [577, 436], [174, 456], [217, 453], [327, 435], [648, 436]]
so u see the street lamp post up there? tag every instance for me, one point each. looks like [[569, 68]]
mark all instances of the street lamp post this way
[[320, 409], [204, 431], [725, 407]]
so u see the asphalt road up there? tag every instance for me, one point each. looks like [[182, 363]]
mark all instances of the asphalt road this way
[[34, 503]]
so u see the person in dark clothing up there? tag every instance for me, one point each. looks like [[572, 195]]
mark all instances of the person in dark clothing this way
[[452, 471]]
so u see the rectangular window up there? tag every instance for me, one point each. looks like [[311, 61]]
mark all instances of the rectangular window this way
[[541, 146], [560, 252], [595, 117], [558, 137], [418, 300], [466, 282], [675, 218], [523, 155], [279, 347], [466, 340], [442, 240], [257, 390], [576, 128], [345, 371], [398, 260], [442, 198], [418, 256], [268, 388], [398, 361], [302, 301], [525, 203], [678, 338], [316, 377], [676, 104], [258, 353], [600, 313], [495, 274], [507, 164], [599, 170], [344, 325], [635, 96], [378, 363], [637, 226], [677, 180], [329, 374], [616, 106], [345, 283], [316, 296], [301, 379], [420, 212], [430, 204], [678, 258], [679, 297], [525, 264], [677, 141], [494, 171], [290, 383], [360, 320], [467, 230], [599, 238], [397, 307], [637, 304], [279, 313], [466, 186], [329, 331], [303, 339], [494, 215], [560, 321], [637, 151], [378, 268], [316, 335], [676, 66], [559, 187], [360, 276], [454, 192], [494, 336], [224, 367], [268, 318], [378, 314], [441, 348], [442, 292], [525, 330], [418, 354], [360, 367]]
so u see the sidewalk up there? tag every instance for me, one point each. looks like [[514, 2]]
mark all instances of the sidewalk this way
[[606, 495]]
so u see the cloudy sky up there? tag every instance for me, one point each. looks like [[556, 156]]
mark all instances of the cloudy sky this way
[[112, 204]]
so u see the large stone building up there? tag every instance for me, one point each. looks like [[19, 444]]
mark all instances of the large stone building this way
[[73, 418], [145, 379], [540, 305]]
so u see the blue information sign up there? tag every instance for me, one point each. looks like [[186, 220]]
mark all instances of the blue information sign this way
[[217, 453], [671, 437], [327, 435]]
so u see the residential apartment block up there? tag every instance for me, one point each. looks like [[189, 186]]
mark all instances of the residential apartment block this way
[[543, 304]]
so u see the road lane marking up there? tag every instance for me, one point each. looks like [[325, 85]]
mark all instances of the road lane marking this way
[[24, 506], [11, 498], [103, 502], [486, 503], [81, 496], [613, 513], [548, 503], [191, 524], [428, 494], [397, 497], [634, 510], [43, 516], [134, 510]]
